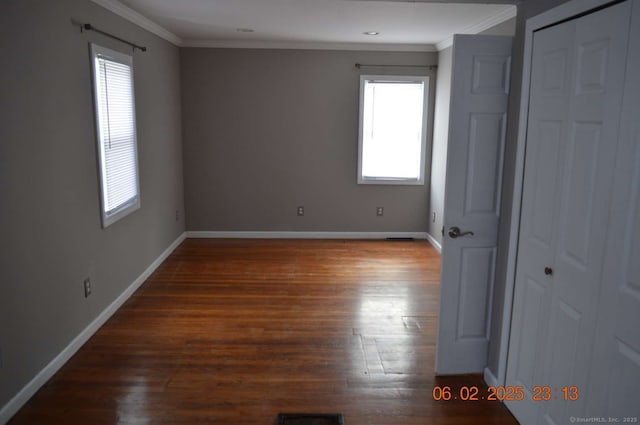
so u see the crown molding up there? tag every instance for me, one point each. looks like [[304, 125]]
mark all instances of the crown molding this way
[[138, 19], [508, 13], [292, 45]]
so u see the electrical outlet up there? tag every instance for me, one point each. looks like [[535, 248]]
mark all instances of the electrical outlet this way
[[87, 287], [177, 215], [300, 211], [380, 211], [433, 217]]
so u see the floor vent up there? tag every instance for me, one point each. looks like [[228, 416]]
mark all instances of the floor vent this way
[[310, 419]]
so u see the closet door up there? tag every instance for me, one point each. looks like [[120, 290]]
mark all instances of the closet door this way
[[615, 383], [551, 80], [576, 96]]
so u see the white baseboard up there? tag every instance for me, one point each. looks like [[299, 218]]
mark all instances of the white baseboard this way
[[489, 378], [435, 243], [12, 407], [305, 235]]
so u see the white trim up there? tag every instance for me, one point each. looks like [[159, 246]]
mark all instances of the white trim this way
[[304, 235], [557, 14], [489, 378], [433, 241], [257, 44], [490, 22], [138, 19], [12, 407]]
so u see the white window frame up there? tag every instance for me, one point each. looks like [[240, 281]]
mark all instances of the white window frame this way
[[391, 180], [110, 217]]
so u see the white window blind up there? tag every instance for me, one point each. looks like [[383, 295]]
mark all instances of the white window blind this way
[[116, 133], [392, 129]]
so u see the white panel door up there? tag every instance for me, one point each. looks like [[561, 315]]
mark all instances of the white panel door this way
[[478, 114], [578, 71], [549, 105]]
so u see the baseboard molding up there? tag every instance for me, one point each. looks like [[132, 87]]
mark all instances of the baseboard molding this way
[[305, 235], [489, 378], [12, 407], [434, 243]]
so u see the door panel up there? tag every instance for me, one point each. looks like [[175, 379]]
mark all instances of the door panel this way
[[525, 369], [491, 74], [592, 66], [546, 157], [554, 70], [632, 267], [486, 144], [477, 263], [579, 192], [561, 364], [479, 96]]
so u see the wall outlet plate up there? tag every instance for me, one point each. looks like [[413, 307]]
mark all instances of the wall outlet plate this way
[[379, 211], [87, 287], [300, 211]]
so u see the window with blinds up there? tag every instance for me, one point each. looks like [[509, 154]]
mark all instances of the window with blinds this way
[[116, 133]]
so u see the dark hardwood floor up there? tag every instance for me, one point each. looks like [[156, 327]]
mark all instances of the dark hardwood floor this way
[[235, 331]]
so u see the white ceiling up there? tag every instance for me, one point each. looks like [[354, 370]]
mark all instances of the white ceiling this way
[[403, 25]]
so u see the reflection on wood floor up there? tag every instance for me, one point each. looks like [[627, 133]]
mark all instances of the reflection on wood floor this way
[[235, 331]]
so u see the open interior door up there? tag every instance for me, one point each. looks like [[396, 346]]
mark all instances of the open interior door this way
[[477, 125]]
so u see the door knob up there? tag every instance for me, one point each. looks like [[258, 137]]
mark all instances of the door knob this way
[[454, 232]]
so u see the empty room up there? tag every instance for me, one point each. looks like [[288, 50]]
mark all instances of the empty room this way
[[319, 212]]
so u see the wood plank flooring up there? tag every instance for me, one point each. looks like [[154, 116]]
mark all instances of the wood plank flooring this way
[[235, 331]]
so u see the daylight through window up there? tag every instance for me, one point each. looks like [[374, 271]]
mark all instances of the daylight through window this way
[[116, 133], [392, 129]]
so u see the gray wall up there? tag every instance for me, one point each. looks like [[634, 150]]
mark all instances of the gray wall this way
[[440, 143], [507, 27], [526, 9], [268, 130], [50, 211]]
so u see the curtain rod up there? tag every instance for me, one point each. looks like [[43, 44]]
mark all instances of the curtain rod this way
[[89, 27], [429, 67]]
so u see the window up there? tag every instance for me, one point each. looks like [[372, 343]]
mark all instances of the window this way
[[116, 133], [392, 136]]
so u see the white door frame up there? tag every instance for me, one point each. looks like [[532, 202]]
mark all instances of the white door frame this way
[[550, 17]]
